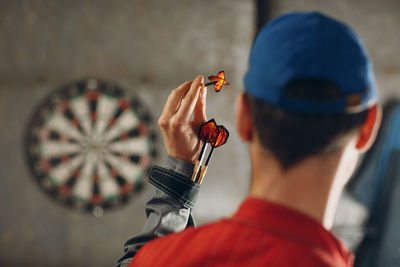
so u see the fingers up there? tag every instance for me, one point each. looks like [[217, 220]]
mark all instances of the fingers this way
[[173, 102], [174, 98], [189, 101], [200, 109], [178, 132]]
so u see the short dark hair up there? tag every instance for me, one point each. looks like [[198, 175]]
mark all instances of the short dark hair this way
[[292, 136]]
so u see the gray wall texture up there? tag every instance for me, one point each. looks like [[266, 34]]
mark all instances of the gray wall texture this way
[[148, 47]]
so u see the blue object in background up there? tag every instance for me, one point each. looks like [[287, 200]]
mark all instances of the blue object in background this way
[[377, 186]]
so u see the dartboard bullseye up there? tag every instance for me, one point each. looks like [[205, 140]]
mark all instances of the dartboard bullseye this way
[[89, 146]]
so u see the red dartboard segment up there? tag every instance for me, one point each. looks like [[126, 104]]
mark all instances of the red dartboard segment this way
[[63, 106], [96, 199], [75, 122], [92, 95], [88, 146], [65, 190], [113, 172], [75, 173], [93, 115], [112, 121], [143, 129], [123, 104], [144, 161], [124, 136], [65, 158], [45, 165]]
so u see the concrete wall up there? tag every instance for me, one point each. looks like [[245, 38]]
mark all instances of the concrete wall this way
[[146, 46]]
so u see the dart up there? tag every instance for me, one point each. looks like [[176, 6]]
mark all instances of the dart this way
[[208, 133], [208, 84], [218, 81], [198, 162], [222, 137]]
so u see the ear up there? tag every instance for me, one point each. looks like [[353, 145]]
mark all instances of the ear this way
[[244, 121], [370, 129]]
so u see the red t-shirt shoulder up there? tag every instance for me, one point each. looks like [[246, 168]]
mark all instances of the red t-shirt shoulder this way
[[259, 234]]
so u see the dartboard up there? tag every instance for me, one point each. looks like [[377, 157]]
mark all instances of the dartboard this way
[[89, 145]]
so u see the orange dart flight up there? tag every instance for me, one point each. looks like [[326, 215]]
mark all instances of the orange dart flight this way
[[222, 137], [209, 131], [216, 135], [220, 80]]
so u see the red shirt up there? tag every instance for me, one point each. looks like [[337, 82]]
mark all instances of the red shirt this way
[[261, 233]]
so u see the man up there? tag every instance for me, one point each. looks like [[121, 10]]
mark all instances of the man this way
[[310, 108]]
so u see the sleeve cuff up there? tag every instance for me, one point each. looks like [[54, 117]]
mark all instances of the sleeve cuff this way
[[175, 184], [183, 167]]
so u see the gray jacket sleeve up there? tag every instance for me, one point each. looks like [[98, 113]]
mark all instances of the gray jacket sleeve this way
[[169, 211]]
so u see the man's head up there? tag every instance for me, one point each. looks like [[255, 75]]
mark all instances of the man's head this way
[[310, 88]]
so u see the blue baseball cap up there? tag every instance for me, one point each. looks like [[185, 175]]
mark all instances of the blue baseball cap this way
[[313, 46]]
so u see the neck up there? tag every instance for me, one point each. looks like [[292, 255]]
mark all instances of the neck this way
[[308, 187]]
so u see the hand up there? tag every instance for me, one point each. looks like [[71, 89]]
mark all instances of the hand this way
[[179, 132]]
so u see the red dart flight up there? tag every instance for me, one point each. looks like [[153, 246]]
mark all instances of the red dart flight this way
[[222, 136], [220, 80], [209, 131]]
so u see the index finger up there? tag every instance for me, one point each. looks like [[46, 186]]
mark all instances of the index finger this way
[[174, 98], [189, 101]]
